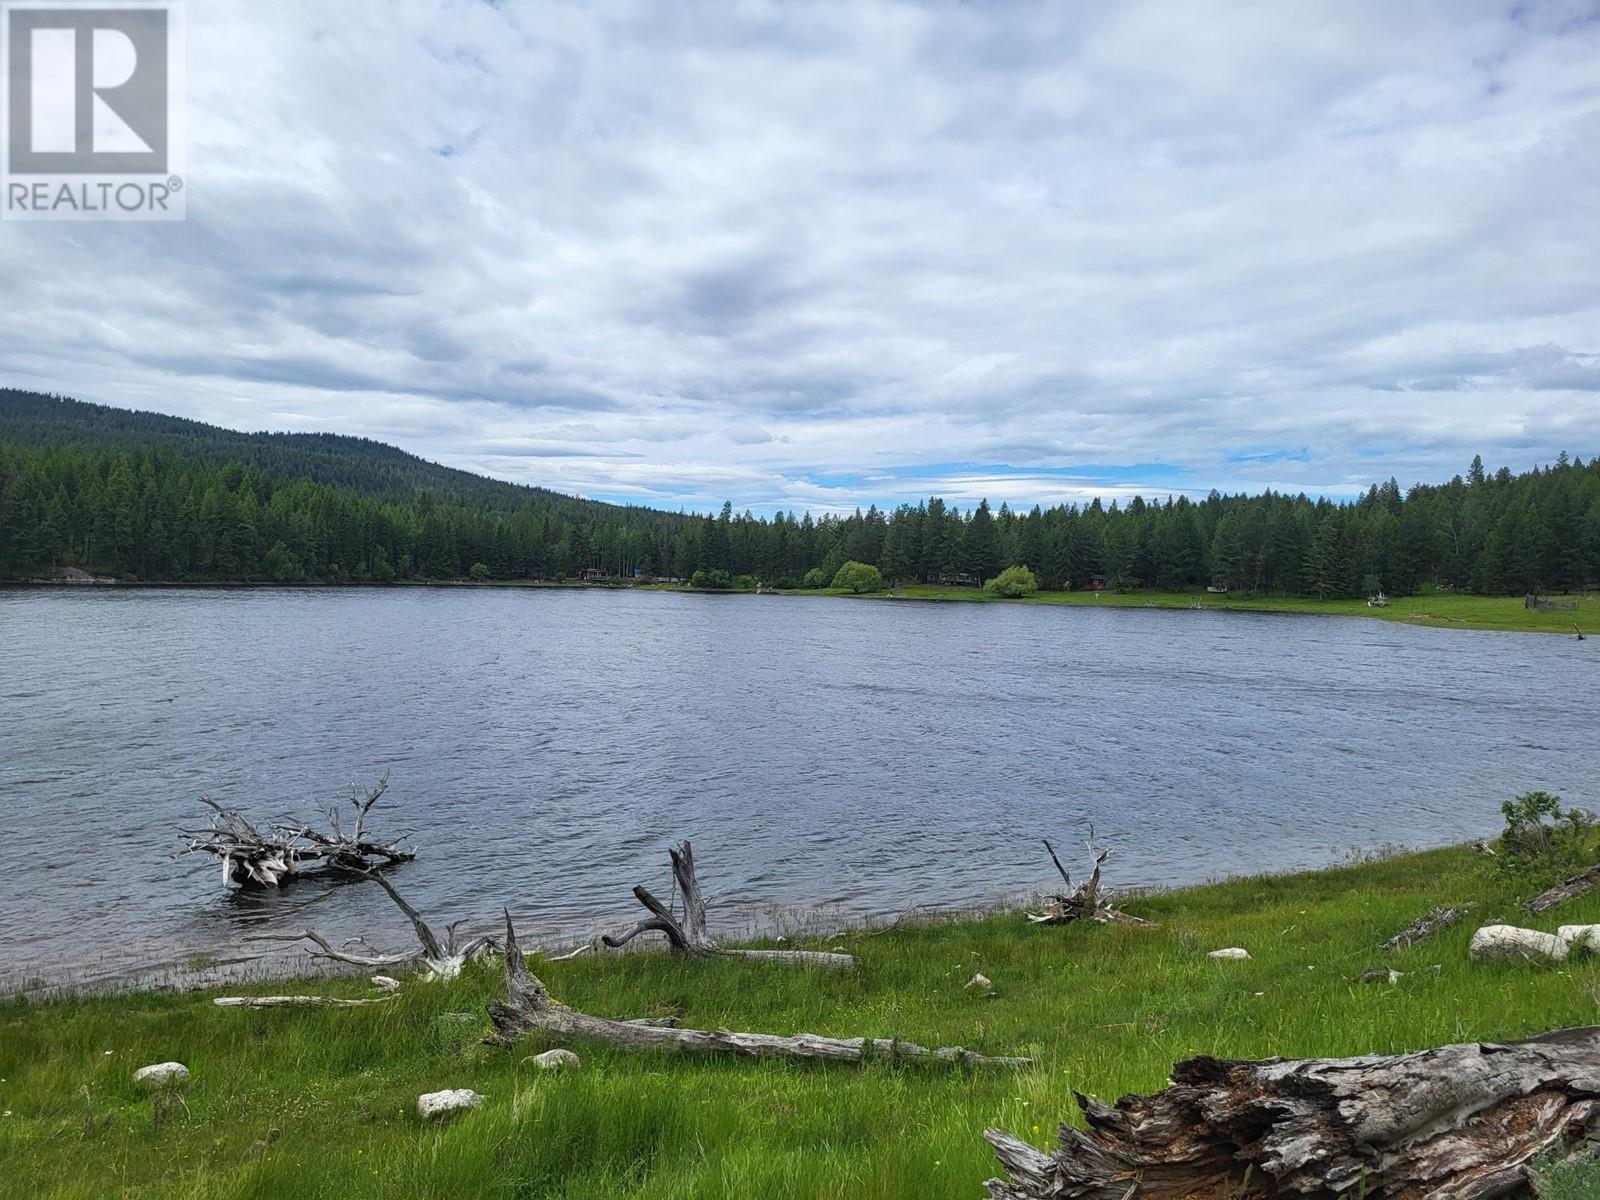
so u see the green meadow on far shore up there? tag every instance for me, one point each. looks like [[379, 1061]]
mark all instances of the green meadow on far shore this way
[[1450, 610], [1444, 609], [321, 1103]]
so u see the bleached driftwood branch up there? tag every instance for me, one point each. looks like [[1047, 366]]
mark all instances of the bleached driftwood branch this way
[[530, 1009], [689, 934], [255, 857], [1085, 902], [1461, 1122], [438, 959]]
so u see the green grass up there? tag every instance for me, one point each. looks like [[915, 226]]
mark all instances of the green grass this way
[[1447, 609], [320, 1103]]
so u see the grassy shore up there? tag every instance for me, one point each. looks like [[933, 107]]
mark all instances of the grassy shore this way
[[1445, 609], [1450, 610], [320, 1103]]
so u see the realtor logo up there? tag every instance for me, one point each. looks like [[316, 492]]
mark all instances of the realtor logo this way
[[92, 110]]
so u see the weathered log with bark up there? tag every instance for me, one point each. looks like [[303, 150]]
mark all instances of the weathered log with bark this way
[[1424, 927], [255, 857], [1568, 889], [530, 1009], [438, 959], [1457, 1123], [297, 1001], [1085, 902], [689, 935]]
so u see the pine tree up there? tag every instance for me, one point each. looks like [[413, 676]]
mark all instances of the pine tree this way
[[981, 551]]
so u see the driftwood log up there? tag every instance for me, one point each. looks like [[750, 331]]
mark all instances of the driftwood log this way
[[256, 857], [1424, 927], [1460, 1122], [1568, 889], [689, 935], [1086, 901], [529, 1009], [438, 959], [297, 1001]]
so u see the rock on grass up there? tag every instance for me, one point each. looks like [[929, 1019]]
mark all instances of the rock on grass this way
[[432, 1106], [160, 1074]]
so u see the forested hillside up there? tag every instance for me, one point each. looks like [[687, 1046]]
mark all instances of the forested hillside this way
[[32, 419], [142, 496]]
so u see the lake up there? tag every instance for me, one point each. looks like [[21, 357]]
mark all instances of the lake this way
[[546, 746]]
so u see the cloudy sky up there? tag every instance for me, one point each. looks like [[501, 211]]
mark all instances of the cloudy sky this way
[[810, 255]]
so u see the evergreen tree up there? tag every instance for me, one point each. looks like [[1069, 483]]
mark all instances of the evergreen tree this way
[[981, 549]]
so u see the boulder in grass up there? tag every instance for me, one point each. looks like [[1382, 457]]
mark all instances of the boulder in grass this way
[[556, 1060], [1508, 943], [1230, 952], [432, 1106], [160, 1074], [1585, 937]]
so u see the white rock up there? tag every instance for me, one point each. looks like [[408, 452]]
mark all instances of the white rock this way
[[1230, 952], [1508, 943], [160, 1074], [387, 982], [979, 981], [432, 1105], [1575, 936], [556, 1060]]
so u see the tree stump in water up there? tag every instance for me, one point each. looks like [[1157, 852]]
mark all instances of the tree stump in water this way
[[253, 857], [1456, 1123]]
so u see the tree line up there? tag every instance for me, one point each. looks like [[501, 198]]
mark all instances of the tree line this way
[[153, 513]]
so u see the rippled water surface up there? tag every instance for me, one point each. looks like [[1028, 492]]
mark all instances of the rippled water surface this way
[[547, 745]]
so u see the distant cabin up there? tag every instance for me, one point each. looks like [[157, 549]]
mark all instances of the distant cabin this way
[[596, 575], [1097, 583]]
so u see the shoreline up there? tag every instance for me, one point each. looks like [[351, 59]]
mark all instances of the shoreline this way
[[321, 1100], [1435, 610], [193, 971]]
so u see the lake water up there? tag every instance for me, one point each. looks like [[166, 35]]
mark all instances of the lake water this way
[[546, 746]]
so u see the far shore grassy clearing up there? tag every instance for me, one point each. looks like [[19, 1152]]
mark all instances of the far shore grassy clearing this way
[[1453, 610]]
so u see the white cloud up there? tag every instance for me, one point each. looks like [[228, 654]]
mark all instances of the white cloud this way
[[812, 255]]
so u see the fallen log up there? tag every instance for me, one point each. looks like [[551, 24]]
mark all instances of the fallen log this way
[[438, 959], [1461, 1122], [1568, 889], [266, 858], [689, 934], [530, 1009], [1424, 927], [1086, 902], [296, 1001]]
